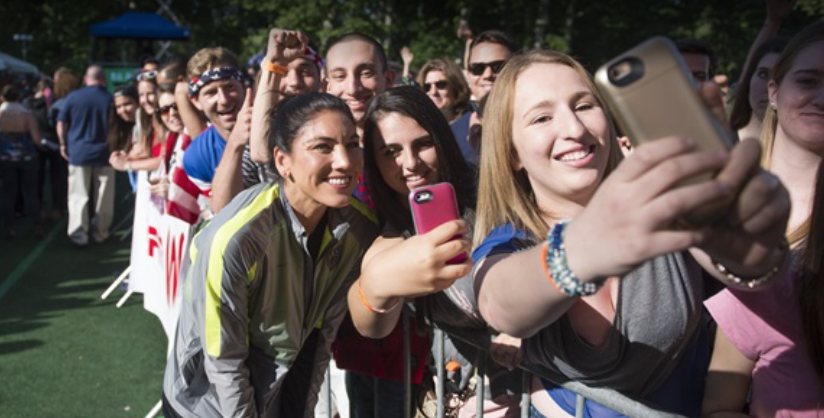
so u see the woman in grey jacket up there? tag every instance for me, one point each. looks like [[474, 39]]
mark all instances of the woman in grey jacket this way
[[267, 288]]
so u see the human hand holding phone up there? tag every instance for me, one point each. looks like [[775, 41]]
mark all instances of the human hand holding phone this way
[[432, 206], [417, 266], [652, 95]]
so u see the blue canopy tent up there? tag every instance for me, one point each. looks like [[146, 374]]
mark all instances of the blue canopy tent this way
[[143, 28], [134, 25]]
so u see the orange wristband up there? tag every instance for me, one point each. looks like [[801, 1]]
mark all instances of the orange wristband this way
[[544, 251], [372, 308], [274, 68]]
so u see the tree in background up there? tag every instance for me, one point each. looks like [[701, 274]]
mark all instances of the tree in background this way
[[591, 31]]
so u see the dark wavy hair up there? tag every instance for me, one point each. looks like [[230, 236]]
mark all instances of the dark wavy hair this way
[[413, 103], [119, 136]]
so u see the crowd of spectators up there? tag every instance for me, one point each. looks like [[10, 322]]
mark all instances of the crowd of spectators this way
[[575, 257]]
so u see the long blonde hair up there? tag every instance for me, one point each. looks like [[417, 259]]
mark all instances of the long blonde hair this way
[[810, 34], [506, 195]]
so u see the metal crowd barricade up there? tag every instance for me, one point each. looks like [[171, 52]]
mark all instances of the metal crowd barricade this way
[[609, 398]]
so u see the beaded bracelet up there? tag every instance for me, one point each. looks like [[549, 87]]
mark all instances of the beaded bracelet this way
[[372, 308], [546, 268], [783, 251], [560, 274]]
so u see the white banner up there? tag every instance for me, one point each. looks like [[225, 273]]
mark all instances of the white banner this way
[[160, 256]]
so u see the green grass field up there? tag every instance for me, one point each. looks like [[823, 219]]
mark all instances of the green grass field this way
[[64, 352]]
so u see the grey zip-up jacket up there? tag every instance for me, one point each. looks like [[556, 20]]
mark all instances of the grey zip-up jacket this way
[[254, 299]]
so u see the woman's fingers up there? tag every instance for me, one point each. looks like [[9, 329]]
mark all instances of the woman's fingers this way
[[743, 163], [714, 100], [447, 231], [664, 242], [667, 208], [676, 170], [649, 155], [762, 205], [447, 251]]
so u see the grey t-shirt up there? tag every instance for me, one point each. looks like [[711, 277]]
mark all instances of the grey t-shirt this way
[[658, 316]]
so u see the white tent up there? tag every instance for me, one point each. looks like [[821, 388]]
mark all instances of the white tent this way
[[16, 65]]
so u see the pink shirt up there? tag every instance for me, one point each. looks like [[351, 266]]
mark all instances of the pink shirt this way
[[766, 328]]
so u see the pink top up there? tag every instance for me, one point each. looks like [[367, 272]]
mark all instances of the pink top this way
[[766, 328]]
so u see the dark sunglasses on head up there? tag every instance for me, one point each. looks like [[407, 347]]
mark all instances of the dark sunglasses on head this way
[[478, 68], [440, 85], [147, 75], [165, 109]]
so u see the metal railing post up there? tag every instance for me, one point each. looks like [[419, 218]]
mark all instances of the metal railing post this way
[[480, 385], [526, 388], [439, 363], [609, 398], [579, 406], [407, 366]]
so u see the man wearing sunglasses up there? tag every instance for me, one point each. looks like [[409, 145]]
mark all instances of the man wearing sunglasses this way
[[488, 53]]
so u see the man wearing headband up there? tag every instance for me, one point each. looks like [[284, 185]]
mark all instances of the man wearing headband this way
[[246, 160], [217, 87]]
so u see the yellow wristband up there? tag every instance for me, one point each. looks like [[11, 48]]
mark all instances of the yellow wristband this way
[[274, 68]]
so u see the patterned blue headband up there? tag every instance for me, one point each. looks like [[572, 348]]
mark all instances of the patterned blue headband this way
[[223, 73]]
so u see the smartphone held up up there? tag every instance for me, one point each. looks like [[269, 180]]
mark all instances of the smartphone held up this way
[[652, 94], [432, 206]]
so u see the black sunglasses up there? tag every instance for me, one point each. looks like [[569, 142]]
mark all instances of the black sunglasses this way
[[440, 85], [165, 109], [478, 68]]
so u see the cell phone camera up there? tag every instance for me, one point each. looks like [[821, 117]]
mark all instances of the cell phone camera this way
[[626, 71], [423, 196]]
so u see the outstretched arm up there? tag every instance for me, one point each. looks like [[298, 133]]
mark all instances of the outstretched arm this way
[[777, 12], [630, 219], [394, 269], [193, 119], [283, 47], [749, 242], [228, 179], [407, 56]]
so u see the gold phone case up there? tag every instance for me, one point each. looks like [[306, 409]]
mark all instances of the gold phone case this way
[[652, 95]]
